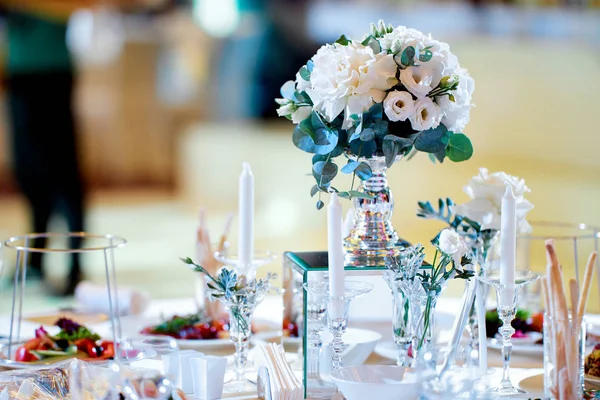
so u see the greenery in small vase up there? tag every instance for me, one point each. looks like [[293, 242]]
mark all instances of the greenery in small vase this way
[[228, 286], [480, 240], [395, 92], [452, 260]]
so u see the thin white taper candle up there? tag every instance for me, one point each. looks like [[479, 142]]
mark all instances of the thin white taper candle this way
[[508, 247], [246, 217], [335, 247]]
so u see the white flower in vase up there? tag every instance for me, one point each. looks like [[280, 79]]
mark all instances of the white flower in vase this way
[[399, 106], [453, 245], [486, 191], [349, 79], [288, 106], [427, 115]]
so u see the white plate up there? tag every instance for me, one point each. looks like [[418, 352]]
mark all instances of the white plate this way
[[592, 382], [387, 349], [535, 383], [523, 348]]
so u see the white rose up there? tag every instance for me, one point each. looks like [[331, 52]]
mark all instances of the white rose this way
[[453, 245], [399, 105], [349, 78], [457, 112], [420, 80], [486, 191], [427, 115]]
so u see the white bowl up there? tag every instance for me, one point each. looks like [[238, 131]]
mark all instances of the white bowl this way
[[360, 343], [381, 382]]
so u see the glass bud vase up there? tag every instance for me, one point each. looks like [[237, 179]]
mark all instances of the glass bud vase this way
[[406, 313], [373, 237], [482, 250], [425, 327]]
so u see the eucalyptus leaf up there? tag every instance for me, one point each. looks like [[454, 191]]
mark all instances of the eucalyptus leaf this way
[[350, 167], [320, 204], [401, 141], [344, 195], [431, 140], [426, 55], [363, 149], [310, 65], [305, 73], [324, 171], [363, 171], [288, 89], [302, 97], [408, 56], [314, 190], [459, 148], [390, 151], [367, 135], [380, 128]]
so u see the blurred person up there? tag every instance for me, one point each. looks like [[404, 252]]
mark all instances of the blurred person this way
[[39, 81]]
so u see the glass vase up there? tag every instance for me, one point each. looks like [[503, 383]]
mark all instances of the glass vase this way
[[482, 251], [240, 307], [406, 312], [425, 327], [564, 379], [373, 238]]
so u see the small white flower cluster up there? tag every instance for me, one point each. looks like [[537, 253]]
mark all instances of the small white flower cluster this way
[[453, 245], [416, 78], [486, 191]]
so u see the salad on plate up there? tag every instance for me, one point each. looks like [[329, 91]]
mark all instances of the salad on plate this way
[[72, 341]]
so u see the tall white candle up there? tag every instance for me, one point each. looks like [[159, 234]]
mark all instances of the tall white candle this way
[[246, 217], [508, 247], [335, 247]]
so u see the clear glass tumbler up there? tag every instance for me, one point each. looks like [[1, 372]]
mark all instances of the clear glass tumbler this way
[[564, 355]]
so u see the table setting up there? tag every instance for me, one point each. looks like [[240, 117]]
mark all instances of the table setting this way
[[360, 106]]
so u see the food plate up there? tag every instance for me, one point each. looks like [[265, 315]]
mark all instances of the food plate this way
[[592, 382], [525, 346], [535, 383]]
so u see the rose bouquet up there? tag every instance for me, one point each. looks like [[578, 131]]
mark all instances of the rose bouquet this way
[[392, 94]]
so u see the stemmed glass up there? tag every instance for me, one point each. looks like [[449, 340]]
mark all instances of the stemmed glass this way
[[507, 314], [337, 316], [316, 387], [152, 367]]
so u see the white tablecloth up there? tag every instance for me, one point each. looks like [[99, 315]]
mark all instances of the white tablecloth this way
[[168, 307]]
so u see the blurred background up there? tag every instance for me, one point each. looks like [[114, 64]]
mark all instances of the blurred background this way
[[171, 96]]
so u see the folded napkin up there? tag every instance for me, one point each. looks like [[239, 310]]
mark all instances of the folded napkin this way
[[282, 381], [94, 298], [208, 376]]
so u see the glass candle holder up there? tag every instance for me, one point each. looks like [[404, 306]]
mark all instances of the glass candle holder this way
[[564, 355], [507, 296]]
